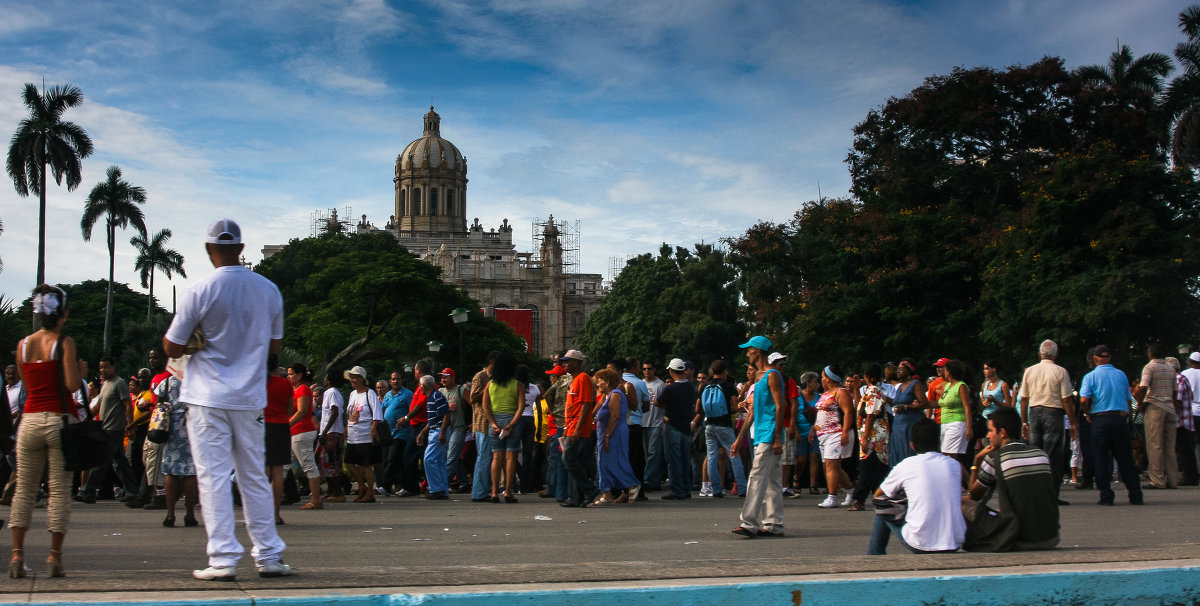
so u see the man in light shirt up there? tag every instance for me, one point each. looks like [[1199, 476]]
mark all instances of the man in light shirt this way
[[1045, 397]]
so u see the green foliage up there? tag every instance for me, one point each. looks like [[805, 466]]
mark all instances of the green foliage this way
[[679, 304], [339, 289]]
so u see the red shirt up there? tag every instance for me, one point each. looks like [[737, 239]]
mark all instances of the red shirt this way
[[418, 404], [305, 424], [279, 393], [791, 392], [581, 392], [42, 385]]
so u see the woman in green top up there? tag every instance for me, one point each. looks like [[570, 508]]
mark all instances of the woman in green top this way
[[503, 401], [956, 410]]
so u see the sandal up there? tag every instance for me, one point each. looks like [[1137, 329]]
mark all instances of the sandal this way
[[54, 566], [16, 567], [169, 521], [623, 499], [855, 506], [311, 505], [603, 500], [190, 520], [814, 490], [508, 498]]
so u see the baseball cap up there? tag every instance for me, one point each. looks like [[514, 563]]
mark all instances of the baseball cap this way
[[1102, 351], [677, 365], [941, 362], [558, 369], [1195, 357], [573, 354], [224, 231], [757, 342], [775, 357], [446, 371]]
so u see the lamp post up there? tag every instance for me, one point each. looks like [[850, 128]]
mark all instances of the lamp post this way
[[434, 347], [459, 315]]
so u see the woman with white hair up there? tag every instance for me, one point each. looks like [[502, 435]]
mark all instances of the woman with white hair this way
[[362, 454]]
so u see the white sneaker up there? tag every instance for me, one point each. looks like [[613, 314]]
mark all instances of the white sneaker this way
[[829, 502], [216, 573], [274, 569], [848, 500], [705, 491]]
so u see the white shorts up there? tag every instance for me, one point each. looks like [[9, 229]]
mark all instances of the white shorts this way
[[831, 446], [954, 437]]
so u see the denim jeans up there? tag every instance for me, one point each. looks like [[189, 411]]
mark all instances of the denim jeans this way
[[677, 447], [454, 465], [481, 485], [435, 462], [556, 474], [652, 443], [717, 437]]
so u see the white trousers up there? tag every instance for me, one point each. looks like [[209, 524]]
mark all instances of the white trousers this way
[[224, 441]]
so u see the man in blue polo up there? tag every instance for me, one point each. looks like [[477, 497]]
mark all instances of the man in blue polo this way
[[1104, 397]]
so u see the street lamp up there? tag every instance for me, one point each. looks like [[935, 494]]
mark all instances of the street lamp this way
[[434, 347], [459, 315]]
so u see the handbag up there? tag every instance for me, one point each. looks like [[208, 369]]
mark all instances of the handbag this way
[[380, 434], [892, 510], [83, 443], [160, 425], [993, 531]]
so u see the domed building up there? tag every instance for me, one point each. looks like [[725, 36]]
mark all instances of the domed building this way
[[538, 293]]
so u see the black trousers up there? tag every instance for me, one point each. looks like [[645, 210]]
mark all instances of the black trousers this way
[[1185, 451], [871, 472], [637, 452], [1111, 440], [581, 488]]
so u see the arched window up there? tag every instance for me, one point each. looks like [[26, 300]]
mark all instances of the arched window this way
[[433, 200], [416, 201], [403, 202]]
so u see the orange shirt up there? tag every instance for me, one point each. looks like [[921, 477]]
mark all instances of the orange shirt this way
[[582, 392]]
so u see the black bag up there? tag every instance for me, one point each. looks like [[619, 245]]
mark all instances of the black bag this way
[[892, 510], [993, 531], [83, 443], [380, 434]]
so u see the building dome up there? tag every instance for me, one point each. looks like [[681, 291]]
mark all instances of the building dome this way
[[431, 149]]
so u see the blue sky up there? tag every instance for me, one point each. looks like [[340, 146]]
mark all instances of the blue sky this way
[[649, 121]]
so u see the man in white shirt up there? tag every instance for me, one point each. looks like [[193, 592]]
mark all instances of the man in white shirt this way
[[652, 428], [240, 316], [1186, 446], [932, 482]]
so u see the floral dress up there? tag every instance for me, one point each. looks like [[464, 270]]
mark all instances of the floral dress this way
[[177, 453], [874, 439]]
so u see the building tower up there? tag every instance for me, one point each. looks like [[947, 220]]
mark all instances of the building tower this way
[[431, 183]]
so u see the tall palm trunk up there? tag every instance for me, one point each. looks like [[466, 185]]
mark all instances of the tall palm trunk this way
[[41, 262], [150, 299], [108, 308]]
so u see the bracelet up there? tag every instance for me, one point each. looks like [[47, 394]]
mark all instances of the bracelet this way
[[974, 467]]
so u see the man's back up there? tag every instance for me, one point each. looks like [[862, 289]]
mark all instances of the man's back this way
[[239, 312]]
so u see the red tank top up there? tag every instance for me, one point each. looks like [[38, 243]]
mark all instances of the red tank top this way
[[42, 386]]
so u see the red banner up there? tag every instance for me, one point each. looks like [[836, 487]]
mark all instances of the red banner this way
[[521, 322]]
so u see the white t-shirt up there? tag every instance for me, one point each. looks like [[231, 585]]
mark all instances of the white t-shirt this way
[[933, 483], [332, 397], [531, 396], [654, 416], [14, 397], [239, 312], [363, 408], [1193, 377]]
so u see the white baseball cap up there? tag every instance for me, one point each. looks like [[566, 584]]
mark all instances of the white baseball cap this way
[[224, 231], [677, 365], [775, 357]]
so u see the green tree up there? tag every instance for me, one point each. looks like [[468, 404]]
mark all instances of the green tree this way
[[1183, 95], [362, 298], [153, 255], [117, 201], [88, 303], [679, 304], [44, 140]]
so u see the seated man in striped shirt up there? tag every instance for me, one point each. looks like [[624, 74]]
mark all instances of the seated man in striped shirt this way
[[1027, 481]]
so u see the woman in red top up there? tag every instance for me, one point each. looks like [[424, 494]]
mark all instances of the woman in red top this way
[[38, 438], [275, 421], [304, 432]]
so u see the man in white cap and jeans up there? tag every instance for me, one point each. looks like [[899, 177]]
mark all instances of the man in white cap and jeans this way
[[239, 314]]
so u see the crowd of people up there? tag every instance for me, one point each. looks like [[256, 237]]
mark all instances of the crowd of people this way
[[213, 405]]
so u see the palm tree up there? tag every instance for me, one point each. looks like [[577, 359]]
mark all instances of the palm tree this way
[[45, 139], [1127, 76], [153, 255], [115, 200], [1183, 95]]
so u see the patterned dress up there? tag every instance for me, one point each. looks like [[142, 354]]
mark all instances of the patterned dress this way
[[177, 452], [873, 403]]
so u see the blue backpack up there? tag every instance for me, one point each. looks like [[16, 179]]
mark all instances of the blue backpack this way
[[712, 399]]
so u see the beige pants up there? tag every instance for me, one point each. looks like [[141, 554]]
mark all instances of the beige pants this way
[[763, 507], [38, 443], [1160, 447], [152, 459]]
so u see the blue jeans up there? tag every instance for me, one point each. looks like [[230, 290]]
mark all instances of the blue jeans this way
[[556, 473], [677, 447], [652, 442], [481, 485], [435, 462], [717, 437], [454, 465]]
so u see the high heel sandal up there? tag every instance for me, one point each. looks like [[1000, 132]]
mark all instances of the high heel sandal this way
[[169, 521], [16, 566], [190, 520], [54, 567]]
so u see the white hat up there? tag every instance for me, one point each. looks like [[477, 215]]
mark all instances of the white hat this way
[[1195, 357], [573, 354], [775, 357], [357, 370], [224, 231], [677, 365]]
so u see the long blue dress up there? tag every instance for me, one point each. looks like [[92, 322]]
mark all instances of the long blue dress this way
[[898, 448], [613, 471]]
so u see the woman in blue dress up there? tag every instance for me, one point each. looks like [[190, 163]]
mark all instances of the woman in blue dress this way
[[177, 464], [909, 405], [613, 473]]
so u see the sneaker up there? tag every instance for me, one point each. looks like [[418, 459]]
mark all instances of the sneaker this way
[[849, 500], [829, 502], [216, 573], [274, 569], [705, 492], [788, 493]]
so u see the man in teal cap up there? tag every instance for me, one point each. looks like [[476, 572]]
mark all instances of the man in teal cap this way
[[762, 513]]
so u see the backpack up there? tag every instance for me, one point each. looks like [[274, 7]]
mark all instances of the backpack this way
[[712, 399]]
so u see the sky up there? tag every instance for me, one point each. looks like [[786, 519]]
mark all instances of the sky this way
[[648, 121]]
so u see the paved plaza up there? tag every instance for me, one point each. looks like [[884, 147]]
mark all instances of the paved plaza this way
[[409, 544]]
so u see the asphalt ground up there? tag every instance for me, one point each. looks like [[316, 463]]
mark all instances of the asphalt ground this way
[[410, 544]]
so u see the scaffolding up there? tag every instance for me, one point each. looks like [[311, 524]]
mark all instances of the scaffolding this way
[[334, 219], [568, 237], [615, 266]]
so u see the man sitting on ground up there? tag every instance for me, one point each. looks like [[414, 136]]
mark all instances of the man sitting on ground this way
[[932, 483], [1028, 482]]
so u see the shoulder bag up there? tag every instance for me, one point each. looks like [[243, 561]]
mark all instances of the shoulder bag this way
[[992, 530], [84, 442]]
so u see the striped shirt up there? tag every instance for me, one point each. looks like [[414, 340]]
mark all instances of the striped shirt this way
[[1159, 379], [1029, 486]]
